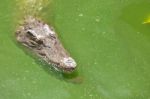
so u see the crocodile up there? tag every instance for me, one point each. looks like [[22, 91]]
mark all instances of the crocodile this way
[[43, 41]]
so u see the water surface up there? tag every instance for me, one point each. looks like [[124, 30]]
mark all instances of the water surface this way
[[107, 39]]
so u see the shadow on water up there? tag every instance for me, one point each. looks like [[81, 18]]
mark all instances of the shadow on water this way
[[135, 14], [68, 77]]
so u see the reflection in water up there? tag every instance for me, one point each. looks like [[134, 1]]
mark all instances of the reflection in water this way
[[147, 20], [135, 15], [31, 7], [71, 77]]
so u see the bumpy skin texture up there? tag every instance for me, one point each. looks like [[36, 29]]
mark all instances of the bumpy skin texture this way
[[43, 41]]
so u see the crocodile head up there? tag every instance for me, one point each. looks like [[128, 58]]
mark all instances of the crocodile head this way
[[43, 41]]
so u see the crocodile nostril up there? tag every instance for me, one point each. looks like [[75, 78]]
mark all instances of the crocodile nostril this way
[[69, 62]]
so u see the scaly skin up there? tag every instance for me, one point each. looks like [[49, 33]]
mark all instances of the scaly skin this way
[[43, 41]]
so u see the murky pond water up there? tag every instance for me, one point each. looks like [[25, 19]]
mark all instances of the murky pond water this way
[[107, 39]]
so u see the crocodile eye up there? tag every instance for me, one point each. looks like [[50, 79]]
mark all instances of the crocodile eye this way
[[40, 41], [31, 33]]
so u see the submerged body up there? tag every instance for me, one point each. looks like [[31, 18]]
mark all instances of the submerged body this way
[[43, 41]]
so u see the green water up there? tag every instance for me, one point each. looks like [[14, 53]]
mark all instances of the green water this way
[[106, 38]]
